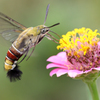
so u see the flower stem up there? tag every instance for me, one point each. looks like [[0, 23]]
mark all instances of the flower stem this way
[[93, 90]]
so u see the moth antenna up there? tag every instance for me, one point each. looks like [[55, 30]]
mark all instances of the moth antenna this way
[[46, 13], [54, 25]]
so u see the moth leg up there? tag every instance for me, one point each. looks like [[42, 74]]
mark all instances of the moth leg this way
[[48, 37], [26, 52]]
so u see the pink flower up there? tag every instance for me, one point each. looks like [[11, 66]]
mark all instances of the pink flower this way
[[81, 55], [63, 66]]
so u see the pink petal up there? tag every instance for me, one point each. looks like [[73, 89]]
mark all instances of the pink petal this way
[[51, 65], [58, 72], [60, 58], [62, 54], [98, 68], [61, 72], [74, 73], [53, 71], [99, 44]]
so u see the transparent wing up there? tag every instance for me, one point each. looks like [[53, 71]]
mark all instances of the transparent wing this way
[[9, 28], [10, 34]]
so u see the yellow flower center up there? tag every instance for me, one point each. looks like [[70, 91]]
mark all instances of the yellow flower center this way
[[79, 41]]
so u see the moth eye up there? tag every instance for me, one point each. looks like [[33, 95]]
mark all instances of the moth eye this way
[[43, 30]]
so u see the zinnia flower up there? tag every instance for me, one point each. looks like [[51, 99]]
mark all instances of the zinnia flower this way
[[80, 56]]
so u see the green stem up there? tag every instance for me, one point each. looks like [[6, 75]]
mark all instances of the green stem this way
[[93, 90]]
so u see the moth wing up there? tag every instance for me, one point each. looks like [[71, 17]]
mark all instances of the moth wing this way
[[9, 28]]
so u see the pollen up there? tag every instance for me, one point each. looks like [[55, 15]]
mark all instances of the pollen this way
[[79, 41]]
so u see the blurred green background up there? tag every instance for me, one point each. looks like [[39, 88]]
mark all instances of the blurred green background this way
[[36, 84]]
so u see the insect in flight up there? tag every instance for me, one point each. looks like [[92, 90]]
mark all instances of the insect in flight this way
[[22, 39]]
